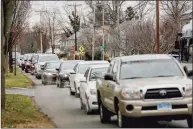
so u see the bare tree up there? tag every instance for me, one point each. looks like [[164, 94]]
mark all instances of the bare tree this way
[[45, 37], [175, 10], [21, 10]]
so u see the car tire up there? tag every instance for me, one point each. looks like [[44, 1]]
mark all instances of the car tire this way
[[81, 104], [60, 85], [26, 71], [104, 114], [121, 120], [88, 110], [189, 121], [71, 93], [76, 94]]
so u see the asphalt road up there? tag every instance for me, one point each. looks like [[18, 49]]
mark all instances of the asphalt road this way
[[65, 111]]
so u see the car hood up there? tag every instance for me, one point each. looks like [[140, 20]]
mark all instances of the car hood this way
[[92, 84], [41, 63], [152, 82], [51, 70], [67, 71]]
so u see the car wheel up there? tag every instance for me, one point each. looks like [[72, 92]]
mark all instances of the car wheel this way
[[81, 104], [71, 93], [26, 71], [76, 93], [189, 121], [121, 120], [88, 110], [60, 85], [104, 114]]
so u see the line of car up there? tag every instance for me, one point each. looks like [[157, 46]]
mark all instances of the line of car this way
[[138, 86]]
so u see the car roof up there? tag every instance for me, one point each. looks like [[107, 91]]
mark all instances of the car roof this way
[[93, 62], [55, 61], [47, 54], [99, 66], [144, 57]]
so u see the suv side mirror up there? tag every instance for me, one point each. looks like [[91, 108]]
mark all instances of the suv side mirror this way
[[177, 45], [108, 77], [57, 69], [185, 69]]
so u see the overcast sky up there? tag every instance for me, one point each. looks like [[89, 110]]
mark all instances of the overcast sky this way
[[60, 5]]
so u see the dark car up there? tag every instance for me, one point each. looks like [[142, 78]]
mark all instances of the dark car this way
[[63, 72], [24, 60], [40, 63], [28, 63], [34, 60], [49, 72]]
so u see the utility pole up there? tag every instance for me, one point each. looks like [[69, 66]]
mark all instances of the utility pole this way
[[93, 40], [53, 40], [118, 20], [75, 12], [157, 27], [103, 54], [40, 29]]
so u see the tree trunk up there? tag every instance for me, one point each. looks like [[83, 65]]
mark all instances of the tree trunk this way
[[2, 59], [10, 51], [7, 12]]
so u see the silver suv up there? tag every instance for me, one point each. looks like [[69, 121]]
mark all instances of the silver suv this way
[[145, 86]]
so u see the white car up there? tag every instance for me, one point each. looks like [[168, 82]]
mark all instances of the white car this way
[[78, 73], [88, 97]]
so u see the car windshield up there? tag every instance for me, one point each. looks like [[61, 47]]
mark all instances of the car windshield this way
[[68, 65], [98, 72], [48, 58], [149, 69], [52, 65]]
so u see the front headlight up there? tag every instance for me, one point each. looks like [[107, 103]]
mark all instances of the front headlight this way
[[129, 93], [48, 73], [188, 90], [92, 91]]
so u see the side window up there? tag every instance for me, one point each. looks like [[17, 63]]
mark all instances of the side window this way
[[75, 67], [114, 68], [60, 67], [86, 74]]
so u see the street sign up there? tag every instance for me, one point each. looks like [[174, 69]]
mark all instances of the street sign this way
[[102, 47], [81, 49]]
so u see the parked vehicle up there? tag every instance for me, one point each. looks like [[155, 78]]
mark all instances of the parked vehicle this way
[[20, 60], [40, 62], [34, 59], [23, 61], [88, 98], [78, 73], [28, 63], [145, 86], [49, 73], [63, 72]]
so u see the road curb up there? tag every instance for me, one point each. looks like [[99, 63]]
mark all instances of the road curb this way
[[45, 114]]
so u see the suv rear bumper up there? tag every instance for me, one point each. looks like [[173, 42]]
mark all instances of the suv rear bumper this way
[[143, 108]]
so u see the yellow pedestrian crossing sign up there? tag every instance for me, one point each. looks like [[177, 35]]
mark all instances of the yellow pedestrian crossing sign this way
[[81, 49]]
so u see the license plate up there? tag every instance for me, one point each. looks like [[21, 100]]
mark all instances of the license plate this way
[[164, 106]]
